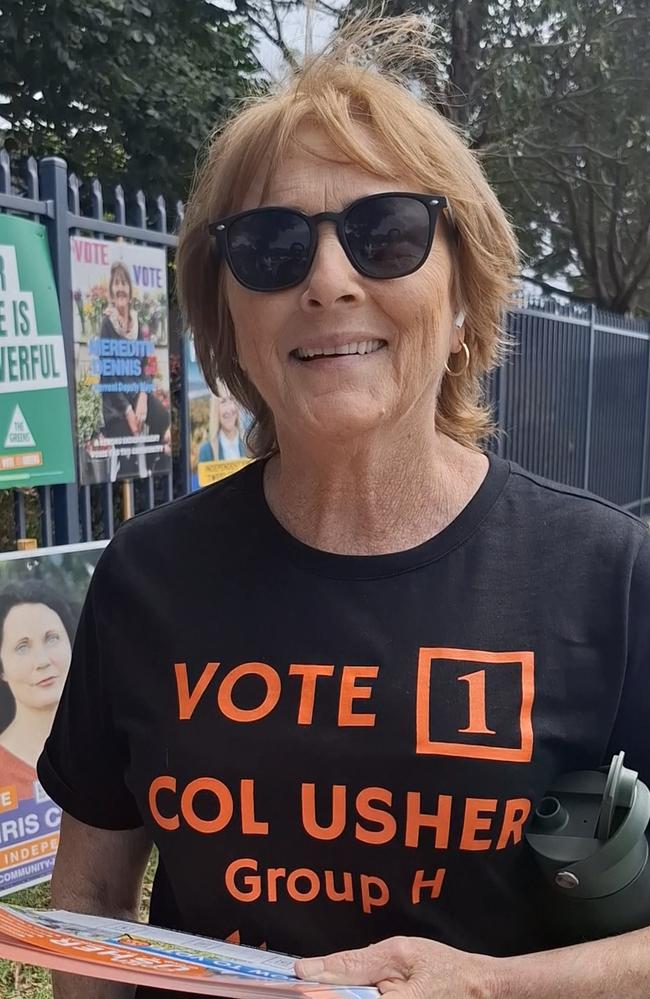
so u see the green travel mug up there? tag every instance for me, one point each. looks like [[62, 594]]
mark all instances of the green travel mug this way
[[588, 837]]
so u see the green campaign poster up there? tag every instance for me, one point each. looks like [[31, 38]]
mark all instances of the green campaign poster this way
[[35, 429]]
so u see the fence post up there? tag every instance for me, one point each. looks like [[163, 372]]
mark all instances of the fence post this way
[[646, 430], [185, 420], [54, 188], [185, 423], [106, 488], [501, 388], [590, 393], [161, 226]]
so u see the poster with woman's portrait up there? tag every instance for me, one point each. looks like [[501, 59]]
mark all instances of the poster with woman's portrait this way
[[41, 595], [218, 426], [121, 339]]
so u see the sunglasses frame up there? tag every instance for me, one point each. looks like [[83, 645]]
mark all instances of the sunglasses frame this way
[[434, 203]]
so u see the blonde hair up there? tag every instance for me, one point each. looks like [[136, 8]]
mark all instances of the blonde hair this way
[[361, 78], [214, 417]]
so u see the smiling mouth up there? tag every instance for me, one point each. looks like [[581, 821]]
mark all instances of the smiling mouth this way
[[361, 348], [47, 681]]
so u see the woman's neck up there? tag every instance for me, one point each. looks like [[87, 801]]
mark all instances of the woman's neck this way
[[26, 734], [372, 496], [230, 435]]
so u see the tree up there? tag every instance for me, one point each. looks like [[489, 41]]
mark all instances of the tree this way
[[571, 157], [267, 18], [120, 88], [555, 97]]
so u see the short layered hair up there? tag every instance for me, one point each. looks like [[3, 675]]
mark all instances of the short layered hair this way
[[346, 86]]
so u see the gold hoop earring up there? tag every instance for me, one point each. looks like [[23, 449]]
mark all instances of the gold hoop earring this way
[[457, 374]]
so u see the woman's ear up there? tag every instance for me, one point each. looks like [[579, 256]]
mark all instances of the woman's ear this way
[[457, 333]]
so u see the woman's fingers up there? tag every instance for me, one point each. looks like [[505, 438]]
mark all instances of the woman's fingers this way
[[382, 962]]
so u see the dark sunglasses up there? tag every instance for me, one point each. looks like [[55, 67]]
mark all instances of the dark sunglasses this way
[[383, 235]]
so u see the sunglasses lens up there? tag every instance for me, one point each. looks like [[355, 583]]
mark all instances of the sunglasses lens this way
[[269, 249], [388, 236]]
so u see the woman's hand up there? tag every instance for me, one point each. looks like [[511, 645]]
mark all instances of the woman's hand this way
[[141, 410], [409, 968], [132, 420]]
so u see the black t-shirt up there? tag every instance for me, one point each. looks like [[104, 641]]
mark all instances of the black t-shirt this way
[[329, 750]]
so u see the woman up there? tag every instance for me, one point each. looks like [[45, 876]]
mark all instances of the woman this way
[[225, 440], [128, 414], [342, 676], [36, 630]]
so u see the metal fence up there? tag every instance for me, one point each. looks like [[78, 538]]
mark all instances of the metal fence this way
[[47, 193], [572, 401]]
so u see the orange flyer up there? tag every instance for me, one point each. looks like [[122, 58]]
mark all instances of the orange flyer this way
[[139, 954]]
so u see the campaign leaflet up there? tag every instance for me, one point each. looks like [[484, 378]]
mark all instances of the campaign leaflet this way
[[139, 954], [218, 425], [41, 594], [121, 336]]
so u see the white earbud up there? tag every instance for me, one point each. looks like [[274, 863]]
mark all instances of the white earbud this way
[[459, 320]]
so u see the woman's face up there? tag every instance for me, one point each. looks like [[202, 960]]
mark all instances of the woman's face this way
[[120, 291], [35, 655], [412, 316], [228, 413]]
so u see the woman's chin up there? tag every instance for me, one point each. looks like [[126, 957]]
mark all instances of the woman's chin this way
[[343, 425]]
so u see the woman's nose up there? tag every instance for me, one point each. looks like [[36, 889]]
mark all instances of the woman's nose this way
[[42, 657], [332, 279]]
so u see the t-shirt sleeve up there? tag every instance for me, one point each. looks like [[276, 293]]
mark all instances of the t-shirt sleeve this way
[[631, 731], [84, 760]]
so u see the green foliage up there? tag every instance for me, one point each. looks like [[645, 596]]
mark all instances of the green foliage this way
[[555, 96], [7, 523], [120, 88], [571, 157], [89, 410]]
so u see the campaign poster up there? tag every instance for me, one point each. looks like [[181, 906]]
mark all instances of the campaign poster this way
[[218, 426], [121, 335], [41, 595], [35, 426]]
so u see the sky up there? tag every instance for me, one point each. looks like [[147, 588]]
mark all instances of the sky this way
[[294, 35]]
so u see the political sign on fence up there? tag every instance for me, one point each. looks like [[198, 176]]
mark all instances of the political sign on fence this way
[[121, 335], [35, 430], [218, 425], [41, 594]]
